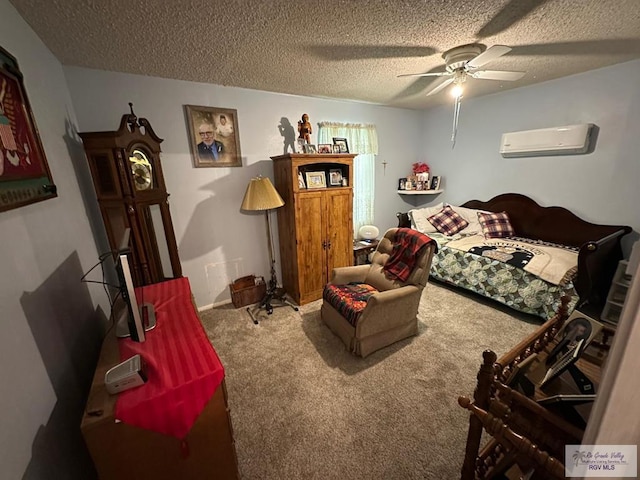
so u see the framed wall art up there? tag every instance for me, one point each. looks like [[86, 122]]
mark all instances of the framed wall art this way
[[213, 136], [316, 180], [25, 177]]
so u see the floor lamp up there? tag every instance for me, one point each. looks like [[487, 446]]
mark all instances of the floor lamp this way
[[261, 195]]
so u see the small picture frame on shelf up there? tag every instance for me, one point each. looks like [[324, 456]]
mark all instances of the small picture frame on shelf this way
[[316, 180], [300, 143], [435, 182], [335, 177], [336, 148], [325, 148], [402, 184], [310, 148], [342, 143], [301, 183]]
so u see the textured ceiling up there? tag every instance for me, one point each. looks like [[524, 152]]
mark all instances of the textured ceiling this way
[[347, 49]]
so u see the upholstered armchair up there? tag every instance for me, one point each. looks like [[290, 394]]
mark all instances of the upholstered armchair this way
[[367, 307]]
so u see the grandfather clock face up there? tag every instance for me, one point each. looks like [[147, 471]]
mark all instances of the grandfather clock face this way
[[141, 170]]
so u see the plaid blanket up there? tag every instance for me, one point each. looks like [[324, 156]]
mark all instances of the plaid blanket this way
[[407, 244]]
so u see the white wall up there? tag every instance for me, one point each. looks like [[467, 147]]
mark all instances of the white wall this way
[[45, 312], [601, 187], [205, 202]]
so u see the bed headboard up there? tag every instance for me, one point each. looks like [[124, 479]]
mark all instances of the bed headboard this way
[[552, 224]]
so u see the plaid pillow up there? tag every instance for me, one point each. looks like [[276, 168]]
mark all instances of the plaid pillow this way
[[495, 225], [447, 221]]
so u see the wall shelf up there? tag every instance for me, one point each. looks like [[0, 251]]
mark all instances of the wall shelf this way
[[420, 192]]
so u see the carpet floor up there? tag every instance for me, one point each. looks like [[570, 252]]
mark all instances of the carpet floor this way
[[302, 407]]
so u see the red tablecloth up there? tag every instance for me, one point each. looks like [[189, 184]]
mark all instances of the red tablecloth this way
[[183, 369]]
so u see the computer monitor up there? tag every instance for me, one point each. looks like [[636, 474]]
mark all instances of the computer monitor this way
[[132, 319]]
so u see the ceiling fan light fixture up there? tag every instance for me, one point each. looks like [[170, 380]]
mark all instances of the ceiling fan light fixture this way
[[457, 90]]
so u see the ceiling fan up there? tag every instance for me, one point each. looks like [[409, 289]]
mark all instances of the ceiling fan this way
[[463, 62]]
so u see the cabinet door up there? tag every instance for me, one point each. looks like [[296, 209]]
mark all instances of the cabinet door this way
[[311, 240], [339, 229]]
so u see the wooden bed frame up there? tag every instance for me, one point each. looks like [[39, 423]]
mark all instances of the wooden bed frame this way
[[599, 245]]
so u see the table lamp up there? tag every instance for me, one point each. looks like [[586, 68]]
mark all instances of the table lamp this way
[[262, 195]]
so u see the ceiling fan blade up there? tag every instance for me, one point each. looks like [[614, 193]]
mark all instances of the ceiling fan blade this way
[[429, 74], [441, 84], [488, 55], [511, 13], [497, 75], [364, 52]]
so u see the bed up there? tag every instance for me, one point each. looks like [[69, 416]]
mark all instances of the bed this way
[[527, 285]]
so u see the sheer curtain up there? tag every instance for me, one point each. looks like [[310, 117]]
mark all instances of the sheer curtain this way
[[362, 140]]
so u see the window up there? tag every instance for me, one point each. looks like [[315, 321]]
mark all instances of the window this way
[[362, 140]]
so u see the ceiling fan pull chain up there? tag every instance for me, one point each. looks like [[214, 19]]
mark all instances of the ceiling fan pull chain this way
[[456, 116]]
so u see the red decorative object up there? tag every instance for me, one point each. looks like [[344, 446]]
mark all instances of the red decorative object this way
[[420, 167]]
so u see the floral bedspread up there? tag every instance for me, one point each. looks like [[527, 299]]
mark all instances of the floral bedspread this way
[[499, 281]]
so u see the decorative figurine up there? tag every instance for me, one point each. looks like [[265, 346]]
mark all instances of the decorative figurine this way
[[304, 128]]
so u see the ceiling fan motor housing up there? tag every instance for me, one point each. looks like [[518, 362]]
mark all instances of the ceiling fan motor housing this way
[[457, 58]]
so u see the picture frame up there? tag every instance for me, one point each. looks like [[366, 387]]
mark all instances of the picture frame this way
[[402, 183], [335, 148], [310, 148], [213, 136], [578, 326], [301, 183], [300, 143], [435, 182], [25, 177], [342, 143], [325, 148], [335, 177], [316, 180]]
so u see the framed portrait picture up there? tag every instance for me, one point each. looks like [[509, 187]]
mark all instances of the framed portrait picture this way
[[342, 144], [25, 177], [309, 148], [316, 180], [325, 148], [435, 182], [300, 143], [335, 148], [213, 136], [402, 184], [335, 177]]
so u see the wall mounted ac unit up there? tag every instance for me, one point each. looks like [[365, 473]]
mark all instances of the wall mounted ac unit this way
[[568, 140]]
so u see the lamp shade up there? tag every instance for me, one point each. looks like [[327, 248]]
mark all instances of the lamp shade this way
[[261, 195]]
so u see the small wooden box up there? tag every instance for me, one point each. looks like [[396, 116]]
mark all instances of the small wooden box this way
[[247, 290]]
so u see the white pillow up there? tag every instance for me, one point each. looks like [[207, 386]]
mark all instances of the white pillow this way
[[419, 217], [471, 216]]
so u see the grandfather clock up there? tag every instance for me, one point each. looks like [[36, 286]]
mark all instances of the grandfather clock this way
[[127, 175]]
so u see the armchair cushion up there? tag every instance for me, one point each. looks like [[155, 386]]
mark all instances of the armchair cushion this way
[[349, 300]]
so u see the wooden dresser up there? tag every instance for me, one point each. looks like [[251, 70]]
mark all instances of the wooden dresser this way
[[121, 450], [315, 225]]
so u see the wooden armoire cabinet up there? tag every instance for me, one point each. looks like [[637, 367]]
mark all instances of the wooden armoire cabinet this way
[[130, 189], [315, 225]]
